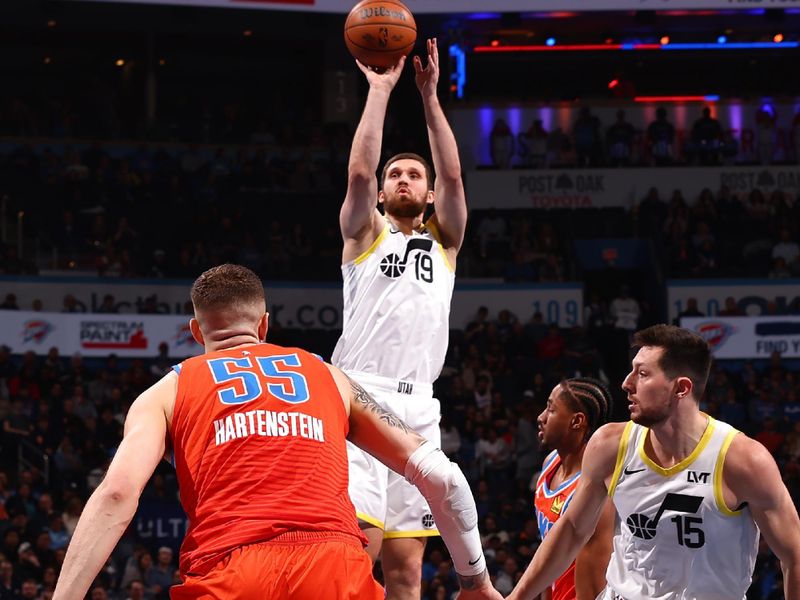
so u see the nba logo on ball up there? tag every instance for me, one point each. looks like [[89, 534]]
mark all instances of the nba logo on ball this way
[[379, 32], [427, 521]]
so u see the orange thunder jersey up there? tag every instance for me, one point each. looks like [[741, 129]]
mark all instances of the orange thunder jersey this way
[[258, 436], [550, 505]]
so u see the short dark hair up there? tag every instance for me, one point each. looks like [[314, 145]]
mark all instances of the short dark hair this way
[[591, 397], [409, 156], [684, 353], [226, 286]]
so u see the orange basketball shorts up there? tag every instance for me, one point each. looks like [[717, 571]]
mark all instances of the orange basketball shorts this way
[[325, 570]]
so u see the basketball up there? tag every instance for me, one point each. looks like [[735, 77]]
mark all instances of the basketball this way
[[379, 32], [641, 526]]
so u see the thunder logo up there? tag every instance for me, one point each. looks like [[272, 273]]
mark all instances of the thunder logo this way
[[714, 332], [35, 331], [183, 336]]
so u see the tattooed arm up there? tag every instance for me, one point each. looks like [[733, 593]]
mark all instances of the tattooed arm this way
[[375, 429], [385, 436]]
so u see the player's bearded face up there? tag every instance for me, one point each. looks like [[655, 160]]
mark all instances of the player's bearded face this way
[[405, 203], [405, 189], [650, 392]]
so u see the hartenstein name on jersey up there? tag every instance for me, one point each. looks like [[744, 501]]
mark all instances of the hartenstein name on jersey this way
[[267, 423]]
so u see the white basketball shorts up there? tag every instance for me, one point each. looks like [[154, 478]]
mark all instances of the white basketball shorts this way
[[382, 497]]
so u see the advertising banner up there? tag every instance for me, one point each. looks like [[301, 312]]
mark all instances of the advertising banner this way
[[469, 6], [753, 297], [291, 304], [588, 188], [161, 523], [96, 334], [748, 337]]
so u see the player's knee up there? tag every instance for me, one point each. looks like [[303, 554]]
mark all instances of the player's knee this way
[[406, 563]]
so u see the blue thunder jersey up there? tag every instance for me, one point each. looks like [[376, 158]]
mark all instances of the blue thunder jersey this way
[[675, 538], [397, 307], [551, 503]]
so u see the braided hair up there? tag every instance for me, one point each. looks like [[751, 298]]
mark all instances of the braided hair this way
[[591, 397]]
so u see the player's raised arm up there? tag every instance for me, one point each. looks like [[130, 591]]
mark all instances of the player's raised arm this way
[[389, 439], [113, 504], [359, 217], [573, 530], [751, 474], [449, 198]]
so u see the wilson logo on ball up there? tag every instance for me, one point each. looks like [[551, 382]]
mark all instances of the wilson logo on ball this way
[[382, 11]]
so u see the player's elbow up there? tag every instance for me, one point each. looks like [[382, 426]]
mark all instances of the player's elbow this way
[[359, 175], [118, 492], [450, 176]]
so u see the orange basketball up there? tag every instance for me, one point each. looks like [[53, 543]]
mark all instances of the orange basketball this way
[[379, 32]]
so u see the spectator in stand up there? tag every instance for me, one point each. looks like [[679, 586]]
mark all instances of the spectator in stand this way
[[494, 456], [551, 347], [691, 310], [619, 141], [780, 270], [30, 588], [595, 315], [501, 145], [451, 438], [8, 584], [136, 590], [507, 576], [769, 436], [706, 139], [731, 309], [30, 568], [676, 224], [10, 303], [586, 135], [765, 134], [558, 147], [705, 259], [526, 448], [731, 410], [786, 248], [483, 392], [159, 578], [661, 138], [625, 311], [70, 304], [536, 140], [791, 408], [492, 234], [108, 305], [652, 212], [702, 235]]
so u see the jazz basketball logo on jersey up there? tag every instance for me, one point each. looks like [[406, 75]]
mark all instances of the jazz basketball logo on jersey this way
[[392, 266], [689, 534]]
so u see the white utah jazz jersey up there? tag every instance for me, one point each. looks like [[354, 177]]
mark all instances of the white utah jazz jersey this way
[[675, 537], [397, 307]]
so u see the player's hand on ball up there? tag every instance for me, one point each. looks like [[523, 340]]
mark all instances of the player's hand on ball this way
[[386, 78]]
